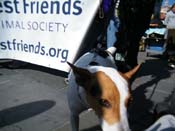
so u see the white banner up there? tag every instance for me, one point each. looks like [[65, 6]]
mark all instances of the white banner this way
[[44, 32]]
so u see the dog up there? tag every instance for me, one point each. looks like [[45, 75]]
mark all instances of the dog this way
[[95, 82]]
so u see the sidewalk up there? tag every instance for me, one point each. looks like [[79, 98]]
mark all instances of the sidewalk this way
[[34, 97]]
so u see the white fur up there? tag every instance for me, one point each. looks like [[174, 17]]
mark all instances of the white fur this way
[[111, 50], [114, 127]]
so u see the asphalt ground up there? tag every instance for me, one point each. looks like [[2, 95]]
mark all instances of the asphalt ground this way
[[33, 98]]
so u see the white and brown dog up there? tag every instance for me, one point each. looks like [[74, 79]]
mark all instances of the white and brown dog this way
[[95, 82]]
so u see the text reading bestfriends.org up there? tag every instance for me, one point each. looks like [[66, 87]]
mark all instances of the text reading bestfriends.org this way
[[37, 48]]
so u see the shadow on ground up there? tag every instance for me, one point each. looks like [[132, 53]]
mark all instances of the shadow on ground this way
[[18, 113], [25, 65], [94, 128], [141, 113]]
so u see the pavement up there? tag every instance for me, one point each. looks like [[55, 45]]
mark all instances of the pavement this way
[[33, 98]]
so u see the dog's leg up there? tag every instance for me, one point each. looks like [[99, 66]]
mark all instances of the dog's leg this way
[[74, 118]]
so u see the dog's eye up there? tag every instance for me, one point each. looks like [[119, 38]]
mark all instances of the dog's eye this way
[[104, 103]]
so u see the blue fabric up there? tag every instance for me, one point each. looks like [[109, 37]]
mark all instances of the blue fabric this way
[[156, 48], [164, 123], [106, 5], [111, 30], [160, 31]]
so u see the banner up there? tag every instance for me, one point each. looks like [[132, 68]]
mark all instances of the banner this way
[[44, 32]]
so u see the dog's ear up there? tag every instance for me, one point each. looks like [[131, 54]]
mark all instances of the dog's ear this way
[[130, 73], [82, 76]]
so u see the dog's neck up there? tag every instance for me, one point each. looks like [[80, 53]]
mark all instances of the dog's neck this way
[[119, 126], [114, 127]]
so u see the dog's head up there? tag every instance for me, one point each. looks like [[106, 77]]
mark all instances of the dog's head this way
[[108, 93]]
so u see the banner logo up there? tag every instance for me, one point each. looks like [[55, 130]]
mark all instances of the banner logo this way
[[44, 32]]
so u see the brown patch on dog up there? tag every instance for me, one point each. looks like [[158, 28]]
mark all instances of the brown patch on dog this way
[[125, 77], [106, 99], [130, 73]]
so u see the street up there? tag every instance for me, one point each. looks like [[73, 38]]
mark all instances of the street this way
[[33, 98]]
